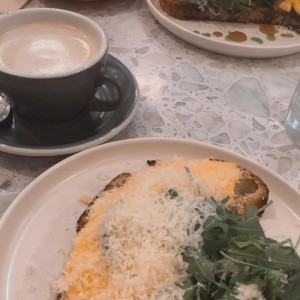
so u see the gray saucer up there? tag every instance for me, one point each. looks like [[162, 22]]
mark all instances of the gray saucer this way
[[88, 130]]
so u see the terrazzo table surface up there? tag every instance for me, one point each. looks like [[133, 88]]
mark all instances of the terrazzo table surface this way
[[186, 92]]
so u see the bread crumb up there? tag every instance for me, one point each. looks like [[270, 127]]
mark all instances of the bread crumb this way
[[86, 199]]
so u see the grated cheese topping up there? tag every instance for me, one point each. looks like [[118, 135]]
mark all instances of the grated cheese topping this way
[[145, 237], [248, 292], [131, 247]]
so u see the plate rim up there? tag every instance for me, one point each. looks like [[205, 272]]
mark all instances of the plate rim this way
[[82, 162], [125, 142], [214, 45], [80, 145]]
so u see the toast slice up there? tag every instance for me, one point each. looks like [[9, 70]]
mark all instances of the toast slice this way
[[248, 190], [116, 182], [258, 14], [87, 274]]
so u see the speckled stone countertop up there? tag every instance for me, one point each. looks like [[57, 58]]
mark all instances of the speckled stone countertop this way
[[186, 92]]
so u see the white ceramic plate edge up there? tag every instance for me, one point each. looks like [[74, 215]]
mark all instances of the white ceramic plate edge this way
[[257, 168], [19, 215], [231, 49]]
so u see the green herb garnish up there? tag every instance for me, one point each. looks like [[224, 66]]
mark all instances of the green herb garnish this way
[[235, 251], [271, 37], [256, 40], [172, 194], [287, 35]]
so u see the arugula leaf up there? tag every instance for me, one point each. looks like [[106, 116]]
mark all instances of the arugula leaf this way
[[189, 289], [236, 251], [215, 236], [200, 267], [293, 290], [230, 4]]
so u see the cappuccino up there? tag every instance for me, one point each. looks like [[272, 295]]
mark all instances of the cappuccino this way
[[46, 48]]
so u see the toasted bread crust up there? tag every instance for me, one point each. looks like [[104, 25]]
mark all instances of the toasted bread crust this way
[[116, 182], [249, 190], [257, 15]]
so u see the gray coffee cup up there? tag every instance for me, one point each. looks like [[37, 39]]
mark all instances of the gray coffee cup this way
[[51, 63]]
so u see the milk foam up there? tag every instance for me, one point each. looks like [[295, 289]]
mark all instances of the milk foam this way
[[46, 48]]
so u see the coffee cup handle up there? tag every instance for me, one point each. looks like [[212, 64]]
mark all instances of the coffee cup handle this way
[[98, 104]]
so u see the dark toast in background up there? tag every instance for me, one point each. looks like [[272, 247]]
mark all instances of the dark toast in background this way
[[283, 13]]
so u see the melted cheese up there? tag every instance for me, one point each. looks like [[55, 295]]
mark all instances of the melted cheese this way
[[131, 246], [287, 5], [296, 6]]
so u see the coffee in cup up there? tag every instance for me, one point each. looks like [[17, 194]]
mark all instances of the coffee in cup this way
[[46, 48], [51, 63]]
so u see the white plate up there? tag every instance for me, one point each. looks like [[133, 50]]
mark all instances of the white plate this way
[[36, 231], [195, 32]]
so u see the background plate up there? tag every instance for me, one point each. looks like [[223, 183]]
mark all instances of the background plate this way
[[37, 230], [200, 33]]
